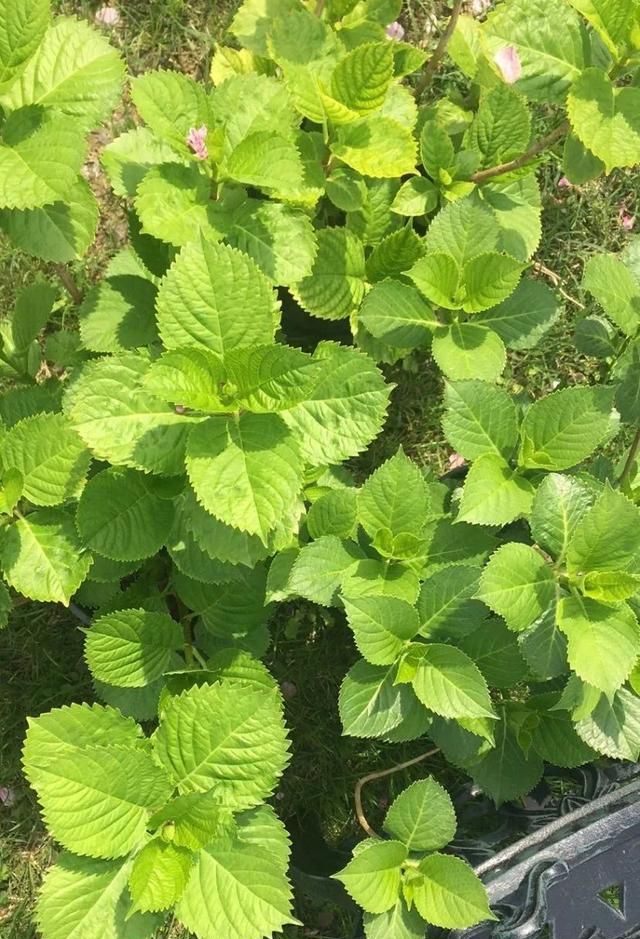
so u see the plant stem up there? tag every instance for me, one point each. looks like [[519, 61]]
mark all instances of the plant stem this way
[[433, 64], [199, 658], [320, 4], [69, 283], [634, 449], [357, 796], [527, 157]]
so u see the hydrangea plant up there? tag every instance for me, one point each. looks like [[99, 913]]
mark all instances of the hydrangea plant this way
[[319, 207]]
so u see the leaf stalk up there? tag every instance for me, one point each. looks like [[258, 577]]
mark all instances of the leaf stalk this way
[[434, 62]]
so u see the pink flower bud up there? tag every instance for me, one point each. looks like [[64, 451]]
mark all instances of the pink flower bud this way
[[626, 221], [508, 61], [563, 183], [107, 16], [196, 139], [456, 460], [7, 796], [395, 31]]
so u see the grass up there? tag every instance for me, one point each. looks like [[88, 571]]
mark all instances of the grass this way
[[41, 663]]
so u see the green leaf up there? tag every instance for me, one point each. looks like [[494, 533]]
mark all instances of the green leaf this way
[[494, 649], [612, 20], [253, 21], [616, 290], [605, 119], [518, 585], [245, 470], [549, 41], [422, 817], [446, 604], [192, 378], [416, 196], [382, 627], [335, 287], [579, 163], [171, 104], [449, 893], [268, 161], [345, 406], [121, 516], [436, 149], [159, 875], [399, 922], [42, 557], [215, 296], [97, 800], [346, 189], [370, 704], [381, 578], [603, 641], [376, 146], [506, 772], [229, 609], [21, 31], [523, 318], [560, 502], [501, 128], [447, 682], [86, 897], [40, 158], [118, 314], [362, 78], [73, 70], [61, 231], [239, 886], [320, 568], [221, 542], [564, 428], [494, 494], [374, 221], [49, 456], [613, 728], [122, 423], [450, 542], [193, 820], [129, 157], [398, 314], [489, 279], [334, 513], [270, 378], [556, 741], [173, 203], [607, 536], [610, 586], [280, 239], [225, 735], [468, 351], [516, 208], [395, 254], [34, 304], [395, 497], [373, 877], [479, 418], [6, 605], [131, 648], [544, 647]]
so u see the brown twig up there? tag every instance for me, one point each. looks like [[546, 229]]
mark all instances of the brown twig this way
[[357, 796], [634, 450], [433, 64], [320, 7], [527, 157], [556, 281], [69, 283]]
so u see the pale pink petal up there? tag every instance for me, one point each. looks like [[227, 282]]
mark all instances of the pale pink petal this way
[[7, 796], [508, 61], [107, 16], [626, 221], [196, 139], [563, 183], [456, 460], [395, 31]]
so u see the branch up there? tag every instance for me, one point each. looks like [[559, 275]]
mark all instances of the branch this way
[[527, 157], [69, 283], [556, 281], [631, 458], [433, 64], [357, 796]]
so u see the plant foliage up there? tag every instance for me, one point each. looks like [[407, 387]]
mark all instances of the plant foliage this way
[[304, 217]]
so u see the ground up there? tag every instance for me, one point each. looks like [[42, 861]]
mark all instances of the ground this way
[[41, 663]]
